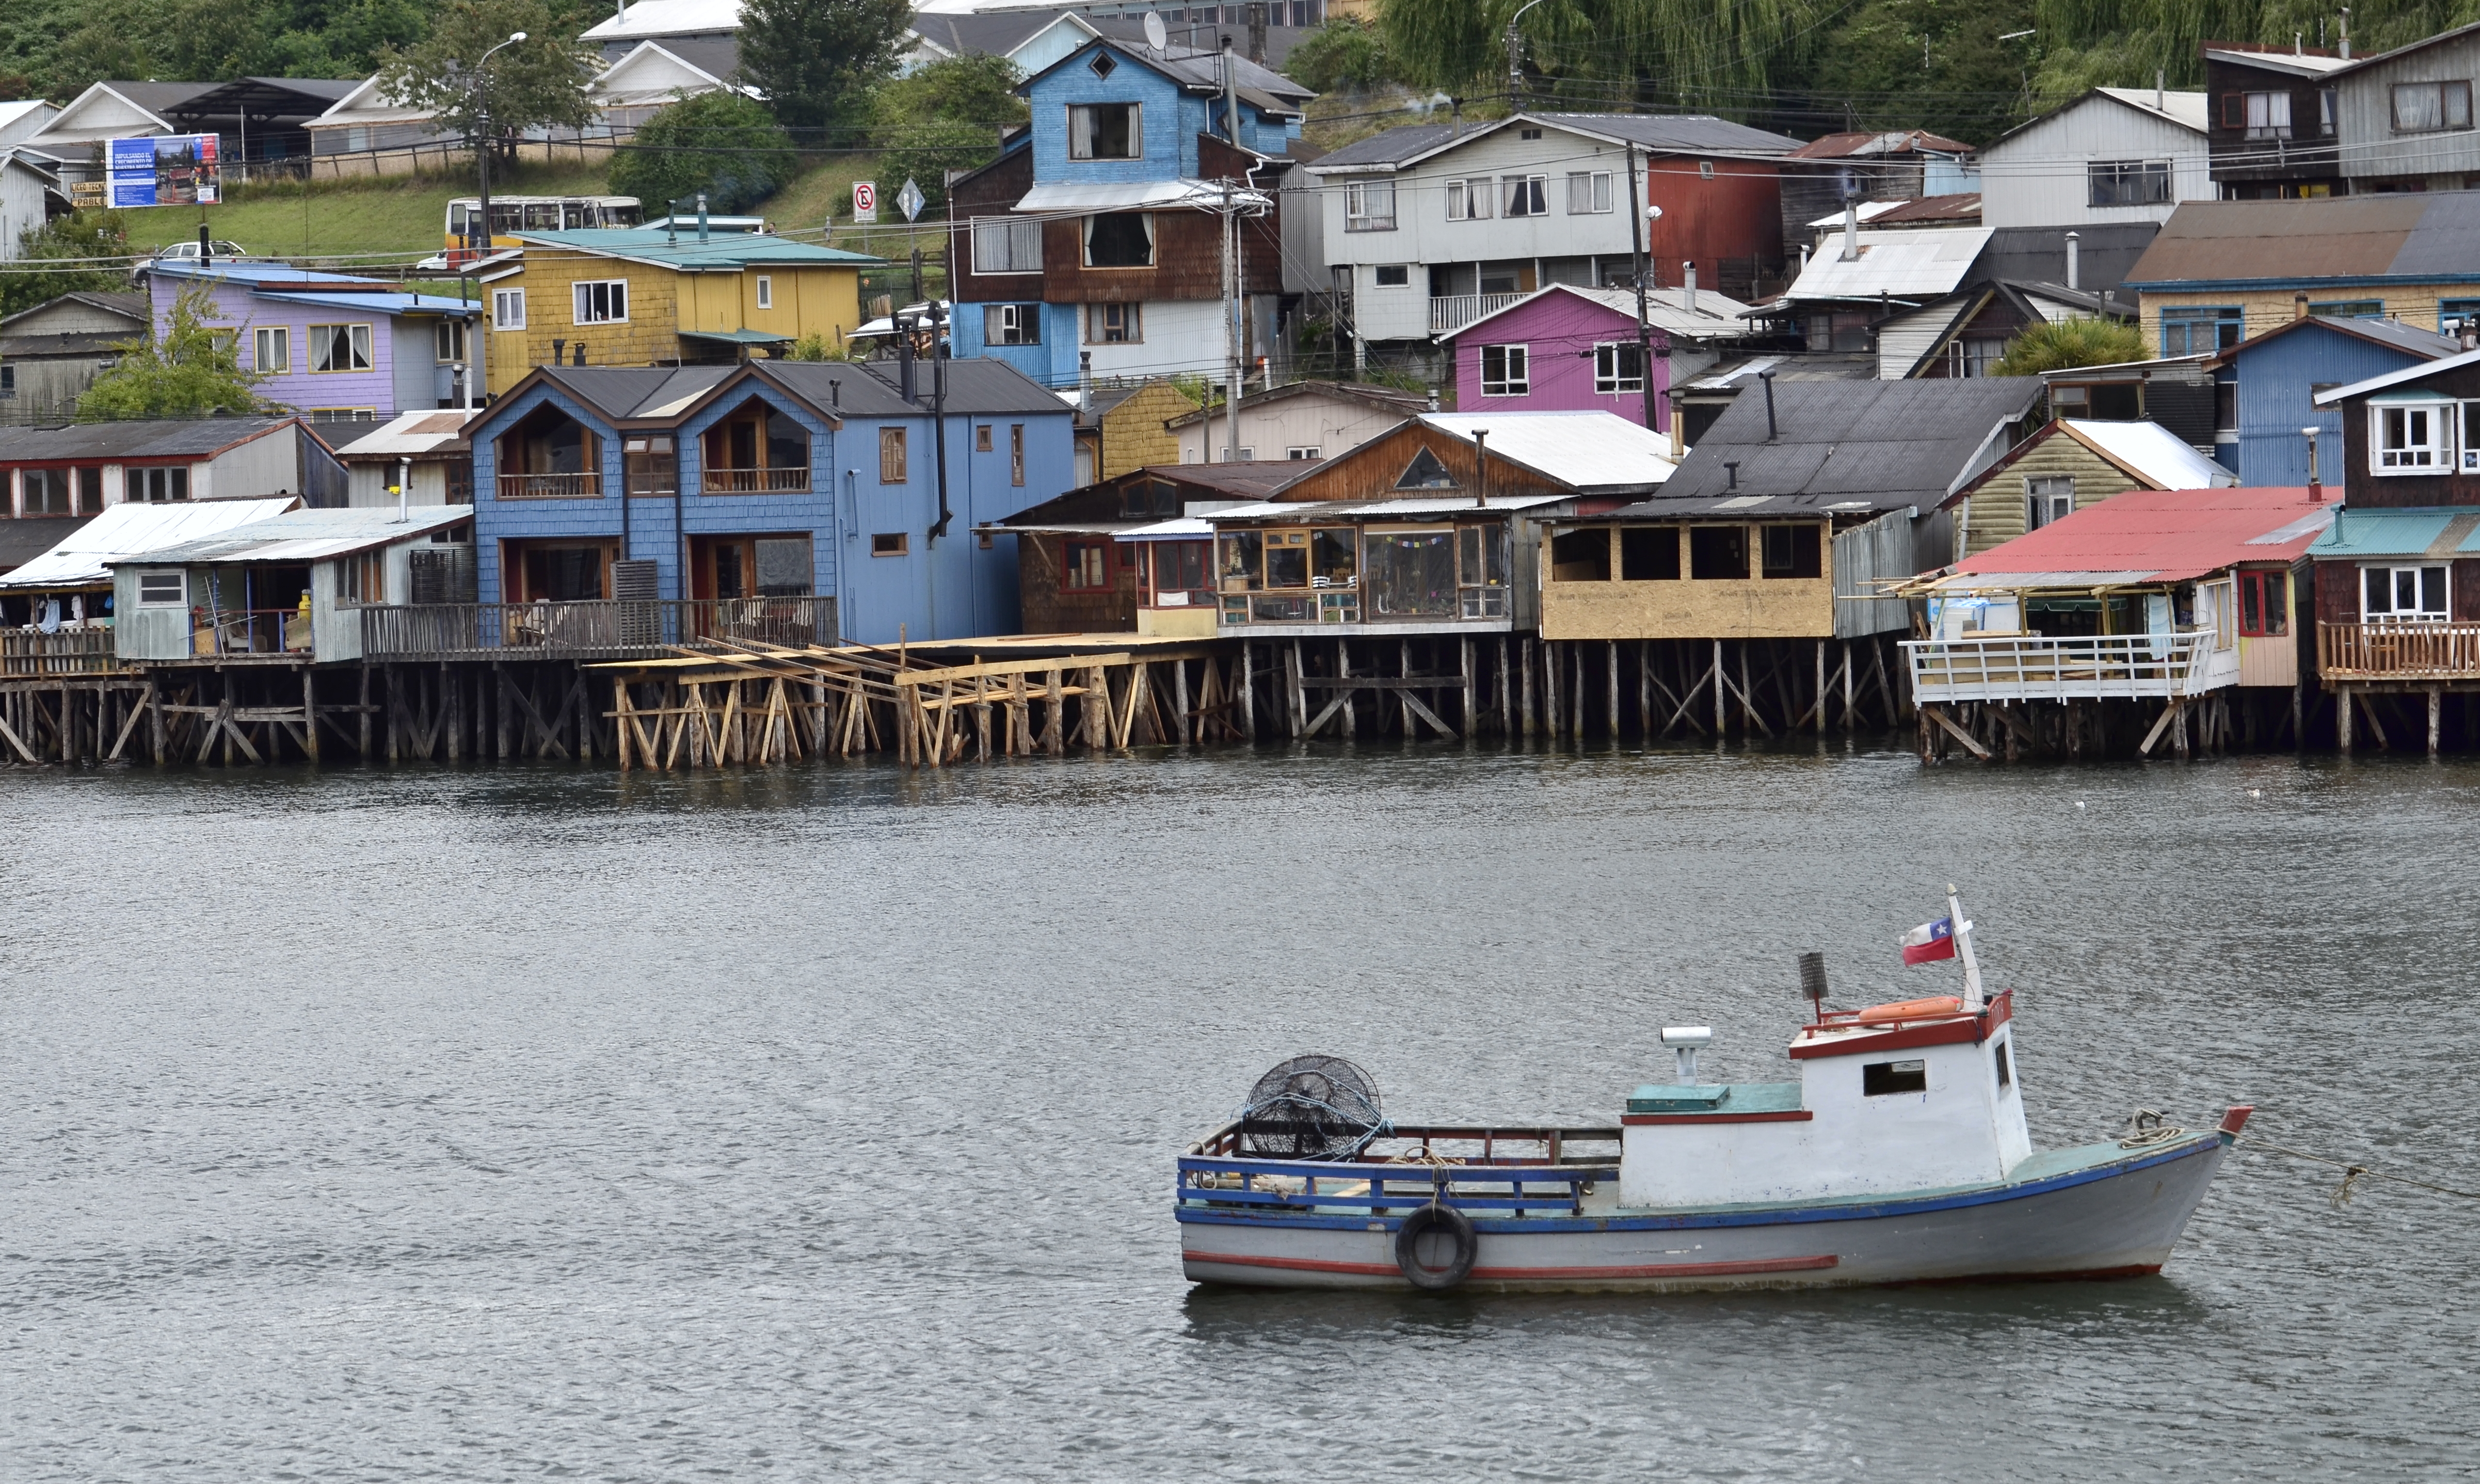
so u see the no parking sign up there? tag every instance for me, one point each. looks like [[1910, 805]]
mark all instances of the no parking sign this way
[[865, 200]]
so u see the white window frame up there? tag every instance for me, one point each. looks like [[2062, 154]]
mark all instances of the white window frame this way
[[615, 294], [1369, 206], [1003, 245], [157, 598], [271, 349], [1469, 197], [1309, 451], [1154, 244], [766, 292], [508, 309], [1377, 270], [2430, 452], [1515, 370], [1589, 193], [138, 484], [359, 347], [2042, 494], [2417, 573], [1532, 191], [2468, 446], [1005, 325], [1608, 379], [2266, 116], [1080, 131]]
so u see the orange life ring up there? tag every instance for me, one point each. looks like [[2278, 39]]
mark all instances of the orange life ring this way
[[1913, 1010]]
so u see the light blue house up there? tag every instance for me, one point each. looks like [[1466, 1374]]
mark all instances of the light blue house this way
[[2269, 384], [1093, 245], [332, 346], [768, 480]]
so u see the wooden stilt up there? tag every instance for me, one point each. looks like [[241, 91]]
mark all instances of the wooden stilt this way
[[1524, 692], [2436, 716]]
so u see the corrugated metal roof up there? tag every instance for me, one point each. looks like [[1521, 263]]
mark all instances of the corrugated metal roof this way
[[2335, 395], [2186, 110], [2423, 532], [1916, 263], [1869, 146], [138, 438], [2152, 452], [2154, 536], [410, 434], [2298, 63], [721, 252], [1586, 451], [1311, 512], [305, 536], [1661, 133], [1885, 444], [1714, 315], [2356, 237], [125, 530]]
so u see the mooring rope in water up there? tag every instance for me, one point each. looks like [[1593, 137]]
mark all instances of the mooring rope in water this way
[[2353, 1174]]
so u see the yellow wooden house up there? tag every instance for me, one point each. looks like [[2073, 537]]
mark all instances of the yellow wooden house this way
[[2068, 464], [648, 296]]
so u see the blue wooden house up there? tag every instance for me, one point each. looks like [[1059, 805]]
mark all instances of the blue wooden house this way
[[1093, 245], [774, 480], [2266, 386]]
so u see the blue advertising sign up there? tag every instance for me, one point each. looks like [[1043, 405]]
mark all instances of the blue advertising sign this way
[[173, 170]]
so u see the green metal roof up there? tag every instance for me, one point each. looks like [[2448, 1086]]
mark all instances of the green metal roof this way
[[2423, 532], [721, 252]]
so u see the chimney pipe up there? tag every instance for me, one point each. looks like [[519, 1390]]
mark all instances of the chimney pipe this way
[[1085, 386], [701, 215], [2468, 335], [2075, 263], [2299, 305], [403, 485], [1732, 467], [1481, 468], [2346, 32], [1689, 287], [2315, 490], [836, 393], [1771, 431], [1850, 229], [2160, 104]]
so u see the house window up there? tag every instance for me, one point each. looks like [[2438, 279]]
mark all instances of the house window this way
[[1369, 206], [1011, 325], [2261, 115], [1618, 366], [2048, 498], [651, 464], [1309, 453], [508, 309], [340, 348], [1526, 195], [158, 486], [2425, 108], [1119, 240], [2199, 330], [1718, 553], [766, 292], [1580, 555], [2408, 439], [271, 348], [1104, 131], [162, 589], [601, 302], [1885, 1079], [2265, 604], [1528, 133], [344, 414], [1393, 275], [890, 455], [1001, 245], [362, 577], [2469, 445], [2128, 182], [47, 492], [1649, 553], [1791, 551], [2402, 595], [982, 437], [1468, 200], [2452, 313], [448, 342], [1016, 454], [1506, 370], [1113, 325], [1085, 566], [1588, 192], [1705, 169], [2350, 309], [889, 542]]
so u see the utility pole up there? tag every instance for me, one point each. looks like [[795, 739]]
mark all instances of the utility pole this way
[[1516, 59], [1232, 348], [482, 147], [1643, 330]]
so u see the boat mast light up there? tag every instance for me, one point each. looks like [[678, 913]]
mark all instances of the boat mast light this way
[[1683, 1040]]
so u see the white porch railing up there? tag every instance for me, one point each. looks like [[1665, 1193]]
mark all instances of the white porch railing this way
[[1457, 310], [2026, 668]]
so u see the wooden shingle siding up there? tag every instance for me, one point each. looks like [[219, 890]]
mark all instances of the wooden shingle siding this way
[[1133, 435], [1372, 473]]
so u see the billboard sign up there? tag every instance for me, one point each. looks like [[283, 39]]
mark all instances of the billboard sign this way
[[170, 169]]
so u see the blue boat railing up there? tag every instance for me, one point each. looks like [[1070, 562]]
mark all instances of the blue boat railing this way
[[1214, 1172]]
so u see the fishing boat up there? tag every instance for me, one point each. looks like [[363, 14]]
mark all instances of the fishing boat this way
[[1898, 1155]]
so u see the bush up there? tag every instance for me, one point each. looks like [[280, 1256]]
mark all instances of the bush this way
[[1341, 56], [923, 153], [2065, 344], [722, 143]]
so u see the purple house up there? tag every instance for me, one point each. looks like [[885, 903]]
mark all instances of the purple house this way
[[336, 348], [1569, 348]]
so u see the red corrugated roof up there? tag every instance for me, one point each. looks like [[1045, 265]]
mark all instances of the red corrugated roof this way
[[2170, 534]]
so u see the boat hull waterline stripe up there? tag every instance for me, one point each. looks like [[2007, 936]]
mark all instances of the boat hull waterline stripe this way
[[1521, 1274]]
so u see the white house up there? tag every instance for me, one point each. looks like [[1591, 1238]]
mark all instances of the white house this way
[[1304, 421], [25, 188], [2116, 154]]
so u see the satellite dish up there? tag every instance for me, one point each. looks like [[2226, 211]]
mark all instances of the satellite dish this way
[[1156, 37]]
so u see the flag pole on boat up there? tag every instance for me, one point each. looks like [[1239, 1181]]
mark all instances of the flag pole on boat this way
[[1971, 1001]]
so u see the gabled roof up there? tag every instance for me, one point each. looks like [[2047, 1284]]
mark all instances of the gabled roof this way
[[2147, 536], [132, 306], [1269, 92], [975, 384], [1713, 317], [147, 438], [1879, 147], [2300, 63], [130, 528], [832, 389], [2186, 110], [1697, 134], [305, 536], [2144, 451], [2358, 63], [658, 71], [1376, 398], [991, 33], [2336, 397], [2392, 334], [1850, 446], [723, 253], [1914, 263], [1961, 206], [623, 394], [410, 435], [2422, 236], [1589, 453], [667, 17]]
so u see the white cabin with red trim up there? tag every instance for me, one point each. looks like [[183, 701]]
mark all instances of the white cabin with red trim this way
[[1901, 1098]]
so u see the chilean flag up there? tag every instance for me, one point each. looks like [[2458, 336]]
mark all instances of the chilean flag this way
[[1929, 942]]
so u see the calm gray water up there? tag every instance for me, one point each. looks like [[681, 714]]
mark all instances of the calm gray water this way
[[535, 1123]]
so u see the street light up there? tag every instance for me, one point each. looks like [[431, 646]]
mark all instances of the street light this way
[[482, 147]]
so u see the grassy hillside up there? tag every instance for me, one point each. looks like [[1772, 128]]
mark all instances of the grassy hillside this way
[[395, 220]]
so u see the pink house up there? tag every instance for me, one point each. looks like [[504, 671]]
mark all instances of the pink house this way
[[1568, 348]]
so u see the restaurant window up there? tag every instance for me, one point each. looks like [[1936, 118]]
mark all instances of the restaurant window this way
[[1011, 325], [1580, 555], [271, 348], [1506, 370], [2408, 439], [2127, 182], [162, 590], [1177, 572], [1085, 566], [1369, 206], [601, 302], [2426, 107], [1113, 325], [1119, 240], [1792, 552], [1618, 366], [1408, 574], [1481, 570], [1105, 130], [1002, 245], [1239, 562], [1288, 558], [361, 579], [889, 542], [1468, 200], [2048, 498], [340, 348], [1718, 553], [158, 486], [650, 463], [1526, 195], [890, 455], [1016, 454], [1649, 553], [1588, 192], [2265, 604], [1334, 556], [2402, 595]]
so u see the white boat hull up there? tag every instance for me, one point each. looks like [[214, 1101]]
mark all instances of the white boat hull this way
[[2093, 1212]]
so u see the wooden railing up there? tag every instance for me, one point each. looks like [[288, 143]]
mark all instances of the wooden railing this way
[[2029, 668], [611, 629], [1455, 311], [581, 486], [755, 481], [253, 631], [2399, 651], [30, 652]]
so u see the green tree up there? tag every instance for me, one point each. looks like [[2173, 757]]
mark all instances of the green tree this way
[[946, 117], [1341, 56], [73, 243], [538, 81], [817, 61], [193, 371], [1609, 53], [722, 143], [2062, 344], [1931, 65]]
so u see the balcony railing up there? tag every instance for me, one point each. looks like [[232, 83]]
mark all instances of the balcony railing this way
[[2029, 668], [581, 486], [1457, 310], [611, 628], [755, 481], [2399, 651], [253, 631], [25, 652]]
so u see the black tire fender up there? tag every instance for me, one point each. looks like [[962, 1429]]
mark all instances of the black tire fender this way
[[1451, 1222]]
